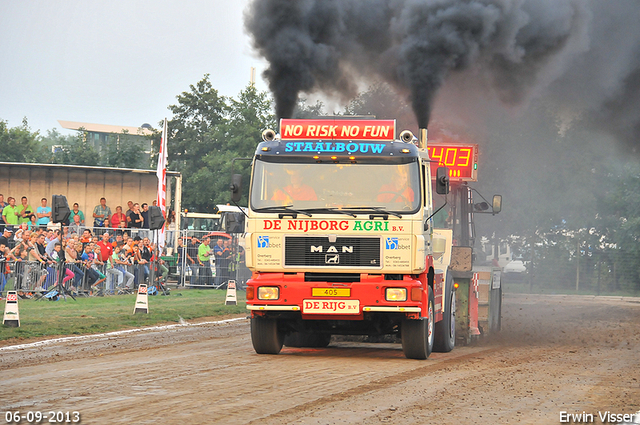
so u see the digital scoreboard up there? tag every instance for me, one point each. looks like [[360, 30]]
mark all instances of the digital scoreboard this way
[[460, 159]]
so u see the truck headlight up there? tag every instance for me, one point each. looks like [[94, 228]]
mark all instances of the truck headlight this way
[[396, 294], [268, 293]]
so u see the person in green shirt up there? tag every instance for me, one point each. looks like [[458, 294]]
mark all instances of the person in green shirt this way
[[76, 211], [204, 251], [441, 219], [25, 210], [10, 212]]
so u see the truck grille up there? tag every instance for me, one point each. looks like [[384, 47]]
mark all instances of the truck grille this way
[[314, 251]]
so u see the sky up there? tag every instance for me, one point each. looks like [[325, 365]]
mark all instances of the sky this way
[[117, 62]]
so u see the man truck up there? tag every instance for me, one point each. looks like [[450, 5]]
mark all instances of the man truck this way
[[340, 238]]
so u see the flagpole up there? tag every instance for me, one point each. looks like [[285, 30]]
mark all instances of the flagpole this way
[[161, 172]]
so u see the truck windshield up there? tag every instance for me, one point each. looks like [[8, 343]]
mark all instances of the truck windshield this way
[[391, 187]]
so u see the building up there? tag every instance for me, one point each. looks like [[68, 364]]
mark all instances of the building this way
[[86, 185], [100, 135]]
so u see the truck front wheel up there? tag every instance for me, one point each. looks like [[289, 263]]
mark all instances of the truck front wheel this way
[[418, 335], [265, 336], [446, 328]]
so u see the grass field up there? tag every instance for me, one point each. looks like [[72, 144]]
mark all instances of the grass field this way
[[103, 314]]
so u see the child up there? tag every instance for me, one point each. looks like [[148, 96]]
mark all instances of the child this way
[[33, 222], [58, 256], [18, 236], [9, 258], [96, 262], [87, 257], [119, 262], [3, 279]]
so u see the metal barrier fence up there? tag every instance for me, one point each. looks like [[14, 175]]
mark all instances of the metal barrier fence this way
[[33, 277], [225, 261], [114, 232], [131, 231]]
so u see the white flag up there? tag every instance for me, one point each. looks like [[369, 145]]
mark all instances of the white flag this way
[[162, 182]]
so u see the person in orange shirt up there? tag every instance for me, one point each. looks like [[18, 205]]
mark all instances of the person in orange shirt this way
[[296, 191], [119, 241], [397, 190], [86, 237]]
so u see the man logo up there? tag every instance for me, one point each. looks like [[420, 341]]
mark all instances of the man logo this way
[[391, 243], [319, 248], [332, 259], [263, 241]]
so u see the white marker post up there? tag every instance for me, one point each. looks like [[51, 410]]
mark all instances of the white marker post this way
[[231, 293], [142, 300], [11, 316]]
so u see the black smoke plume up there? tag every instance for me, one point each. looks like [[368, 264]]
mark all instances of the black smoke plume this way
[[581, 55], [330, 45]]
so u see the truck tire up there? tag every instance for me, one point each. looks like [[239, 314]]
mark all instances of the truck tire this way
[[307, 339], [265, 336], [445, 338], [418, 335]]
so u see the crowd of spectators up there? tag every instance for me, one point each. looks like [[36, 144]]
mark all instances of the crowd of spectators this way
[[113, 248], [25, 217], [42, 258], [87, 250]]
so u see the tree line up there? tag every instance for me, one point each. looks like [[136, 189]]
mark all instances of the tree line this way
[[21, 144], [206, 132], [571, 203]]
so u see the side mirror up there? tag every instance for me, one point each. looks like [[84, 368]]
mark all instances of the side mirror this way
[[482, 206], [497, 204], [442, 180], [236, 187]]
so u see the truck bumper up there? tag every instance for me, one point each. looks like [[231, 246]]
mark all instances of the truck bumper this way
[[352, 301]]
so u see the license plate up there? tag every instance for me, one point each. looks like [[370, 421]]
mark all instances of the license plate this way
[[330, 292], [331, 306]]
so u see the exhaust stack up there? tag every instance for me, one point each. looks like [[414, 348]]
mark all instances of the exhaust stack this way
[[422, 139]]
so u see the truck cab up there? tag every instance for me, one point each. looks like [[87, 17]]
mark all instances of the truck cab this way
[[339, 236]]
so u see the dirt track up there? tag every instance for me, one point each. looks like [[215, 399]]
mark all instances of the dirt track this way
[[555, 354]]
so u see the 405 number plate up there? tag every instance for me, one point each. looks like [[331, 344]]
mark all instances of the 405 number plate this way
[[330, 292]]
